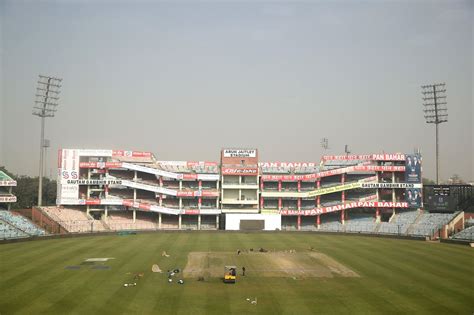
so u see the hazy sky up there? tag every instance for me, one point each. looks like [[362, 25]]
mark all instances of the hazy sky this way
[[185, 79]]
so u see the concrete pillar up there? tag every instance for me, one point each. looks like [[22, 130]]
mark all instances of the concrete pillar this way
[[377, 215], [318, 220], [299, 223], [134, 215], [159, 220], [179, 221], [299, 185], [279, 203], [87, 209], [106, 211], [299, 203], [134, 194], [261, 202], [199, 202], [180, 203], [135, 175], [199, 221], [217, 221], [279, 185], [343, 217]]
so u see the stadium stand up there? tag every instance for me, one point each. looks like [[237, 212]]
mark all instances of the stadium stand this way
[[21, 223], [430, 222], [466, 234], [8, 231]]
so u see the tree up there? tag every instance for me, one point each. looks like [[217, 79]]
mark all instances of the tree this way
[[26, 191], [427, 181]]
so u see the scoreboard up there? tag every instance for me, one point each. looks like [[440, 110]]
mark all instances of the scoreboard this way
[[445, 198]]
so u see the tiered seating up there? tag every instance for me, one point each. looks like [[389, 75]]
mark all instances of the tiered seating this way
[[308, 224], [21, 223], [360, 223], [74, 221], [124, 221], [8, 232], [466, 234], [306, 170], [403, 219], [430, 222], [331, 223]]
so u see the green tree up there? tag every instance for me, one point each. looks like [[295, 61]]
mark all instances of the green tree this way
[[26, 191]]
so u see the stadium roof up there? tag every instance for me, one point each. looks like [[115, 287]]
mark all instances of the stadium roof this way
[[6, 180]]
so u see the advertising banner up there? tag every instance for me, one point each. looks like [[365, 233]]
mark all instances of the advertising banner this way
[[288, 164], [240, 153], [69, 170], [374, 157], [210, 193], [413, 197], [7, 183], [355, 204], [240, 171], [191, 211], [100, 164], [210, 177], [7, 198], [122, 153], [390, 185], [413, 168], [94, 152], [323, 191]]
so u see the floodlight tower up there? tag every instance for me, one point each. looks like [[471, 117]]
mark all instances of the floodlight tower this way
[[436, 111], [325, 143], [46, 103]]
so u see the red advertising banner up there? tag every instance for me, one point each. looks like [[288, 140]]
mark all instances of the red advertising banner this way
[[184, 193], [191, 211], [100, 164], [208, 193], [190, 176], [373, 157], [355, 204], [288, 164], [93, 202], [130, 153]]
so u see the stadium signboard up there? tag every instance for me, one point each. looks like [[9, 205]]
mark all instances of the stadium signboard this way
[[93, 182], [241, 153]]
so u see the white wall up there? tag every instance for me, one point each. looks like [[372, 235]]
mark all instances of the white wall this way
[[272, 221]]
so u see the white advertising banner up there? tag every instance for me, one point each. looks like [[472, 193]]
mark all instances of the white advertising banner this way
[[88, 152], [240, 153], [69, 170], [390, 185], [7, 198]]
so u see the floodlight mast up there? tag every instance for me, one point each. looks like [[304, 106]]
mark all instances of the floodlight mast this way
[[46, 103], [436, 111]]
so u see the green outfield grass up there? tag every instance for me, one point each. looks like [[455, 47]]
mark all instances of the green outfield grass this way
[[394, 276]]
